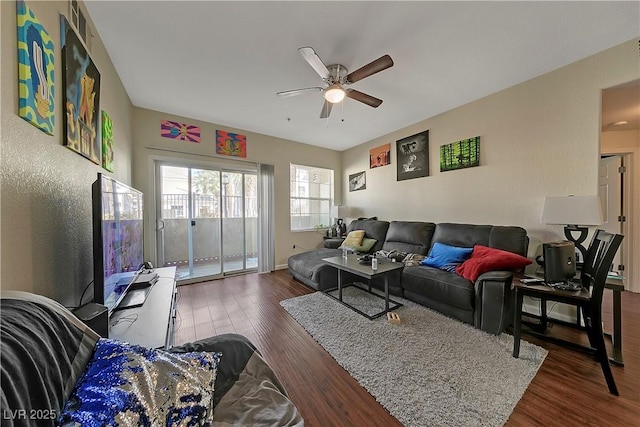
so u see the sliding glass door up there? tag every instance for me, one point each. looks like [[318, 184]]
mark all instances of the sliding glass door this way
[[207, 221], [239, 221]]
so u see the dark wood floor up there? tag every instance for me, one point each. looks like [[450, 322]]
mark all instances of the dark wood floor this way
[[569, 389]]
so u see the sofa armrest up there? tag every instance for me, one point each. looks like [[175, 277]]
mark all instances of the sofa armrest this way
[[333, 243], [495, 275], [494, 305]]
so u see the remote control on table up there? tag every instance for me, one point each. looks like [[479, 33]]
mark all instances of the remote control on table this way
[[531, 280]]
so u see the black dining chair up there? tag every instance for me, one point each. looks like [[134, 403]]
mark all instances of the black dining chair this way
[[588, 299]]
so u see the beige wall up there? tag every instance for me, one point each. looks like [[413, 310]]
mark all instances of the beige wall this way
[[150, 146], [45, 205], [539, 138], [613, 141]]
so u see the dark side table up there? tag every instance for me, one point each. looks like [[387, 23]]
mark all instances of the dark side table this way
[[616, 286]]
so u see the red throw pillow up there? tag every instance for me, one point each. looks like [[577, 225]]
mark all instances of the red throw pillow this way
[[485, 259]]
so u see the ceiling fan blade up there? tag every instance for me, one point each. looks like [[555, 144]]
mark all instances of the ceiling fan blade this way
[[326, 109], [314, 60], [299, 91], [376, 66], [364, 98]]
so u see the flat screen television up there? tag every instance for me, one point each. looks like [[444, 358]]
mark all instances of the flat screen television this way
[[559, 261], [118, 253]]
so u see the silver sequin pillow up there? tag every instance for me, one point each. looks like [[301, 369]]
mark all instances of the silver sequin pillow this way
[[129, 385]]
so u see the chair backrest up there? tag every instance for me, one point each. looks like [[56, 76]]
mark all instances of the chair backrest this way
[[598, 261], [588, 265]]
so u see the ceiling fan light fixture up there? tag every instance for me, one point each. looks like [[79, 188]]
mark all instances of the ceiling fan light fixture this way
[[334, 93]]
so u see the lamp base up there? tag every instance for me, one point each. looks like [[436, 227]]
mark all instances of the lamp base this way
[[577, 241]]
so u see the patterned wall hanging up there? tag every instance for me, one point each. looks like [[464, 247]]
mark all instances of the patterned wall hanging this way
[[380, 156], [231, 144], [81, 94], [107, 142], [179, 131], [413, 156], [460, 155], [35, 71]]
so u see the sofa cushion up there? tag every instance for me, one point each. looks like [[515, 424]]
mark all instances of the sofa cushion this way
[[439, 285], [462, 235], [372, 229], [509, 238], [310, 269], [413, 237], [366, 245], [446, 257], [485, 259], [354, 238]]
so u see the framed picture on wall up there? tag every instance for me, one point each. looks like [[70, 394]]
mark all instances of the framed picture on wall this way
[[231, 144], [380, 156], [35, 71], [357, 181], [107, 142], [81, 96], [413, 156], [179, 131], [461, 154]]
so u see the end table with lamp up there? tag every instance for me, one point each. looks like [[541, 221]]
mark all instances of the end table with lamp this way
[[588, 300], [575, 213], [339, 213]]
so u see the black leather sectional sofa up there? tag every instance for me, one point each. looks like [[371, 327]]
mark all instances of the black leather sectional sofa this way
[[486, 303]]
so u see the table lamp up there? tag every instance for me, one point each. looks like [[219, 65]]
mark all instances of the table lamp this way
[[339, 213], [575, 213]]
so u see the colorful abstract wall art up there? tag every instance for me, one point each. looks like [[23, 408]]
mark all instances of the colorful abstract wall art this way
[[35, 71], [179, 131], [460, 155], [380, 156], [413, 156], [107, 142], [81, 94], [231, 144]]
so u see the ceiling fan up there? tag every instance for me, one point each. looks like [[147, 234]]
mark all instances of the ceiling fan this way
[[336, 78]]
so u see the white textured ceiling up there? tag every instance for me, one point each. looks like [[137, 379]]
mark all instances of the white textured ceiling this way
[[223, 62]]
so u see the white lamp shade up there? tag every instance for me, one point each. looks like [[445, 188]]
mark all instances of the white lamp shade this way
[[572, 210], [339, 211]]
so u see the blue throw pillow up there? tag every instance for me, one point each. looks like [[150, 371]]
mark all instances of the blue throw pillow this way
[[446, 257]]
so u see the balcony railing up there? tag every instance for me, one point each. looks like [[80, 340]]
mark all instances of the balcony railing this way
[[175, 206], [208, 229]]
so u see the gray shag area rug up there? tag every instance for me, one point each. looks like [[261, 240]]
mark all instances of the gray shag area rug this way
[[429, 370]]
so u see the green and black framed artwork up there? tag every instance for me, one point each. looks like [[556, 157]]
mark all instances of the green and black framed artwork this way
[[461, 154]]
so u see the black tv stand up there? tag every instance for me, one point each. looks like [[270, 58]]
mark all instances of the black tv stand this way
[[144, 280], [135, 297], [139, 290], [149, 325]]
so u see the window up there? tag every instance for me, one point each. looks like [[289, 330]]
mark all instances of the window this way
[[79, 22], [311, 192]]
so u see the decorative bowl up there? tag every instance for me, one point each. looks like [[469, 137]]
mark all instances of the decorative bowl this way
[[365, 259]]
